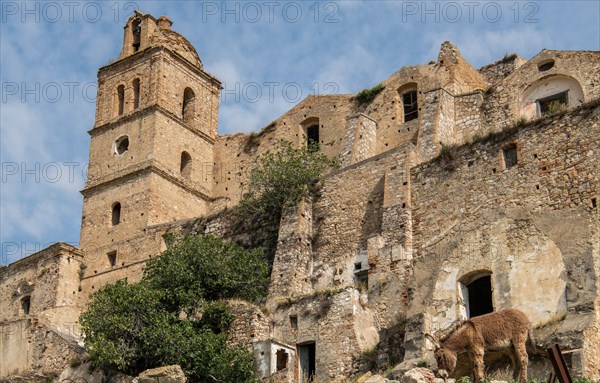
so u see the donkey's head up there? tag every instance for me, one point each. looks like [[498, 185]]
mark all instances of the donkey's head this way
[[444, 357]]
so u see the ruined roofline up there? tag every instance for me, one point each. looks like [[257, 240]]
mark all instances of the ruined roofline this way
[[507, 58], [54, 250], [127, 61], [512, 132], [271, 125]]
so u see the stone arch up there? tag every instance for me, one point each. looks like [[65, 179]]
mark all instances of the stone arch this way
[[525, 266], [185, 166], [120, 100], [311, 130], [476, 293], [188, 105], [136, 33], [557, 89], [136, 93], [116, 213]]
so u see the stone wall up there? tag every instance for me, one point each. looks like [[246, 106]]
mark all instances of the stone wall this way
[[501, 107], [40, 335], [250, 325], [498, 70], [530, 226]]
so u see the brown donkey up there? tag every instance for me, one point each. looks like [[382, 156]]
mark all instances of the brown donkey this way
[[505, 329]]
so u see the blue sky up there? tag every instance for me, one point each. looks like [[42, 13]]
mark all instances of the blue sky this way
[[269, 55]]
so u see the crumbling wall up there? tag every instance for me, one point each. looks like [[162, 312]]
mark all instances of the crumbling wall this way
[[501, 107], [40, 337], [250, 325], [530, 226], [236, 155], [498, 70]]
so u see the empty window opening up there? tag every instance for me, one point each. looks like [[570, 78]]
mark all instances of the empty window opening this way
[[510, 156], [187, 112], [294, 322], [185, 168], [357, 265], [411, 108], [362, 279], [121, 145], [136, 93], [26, 305], [136, 28], [306, 357], [479, 296], [594, 203], [546, 65], [121, 99], [281, 359], [312, 137], [116, 214], [552, 104], [112, 258]]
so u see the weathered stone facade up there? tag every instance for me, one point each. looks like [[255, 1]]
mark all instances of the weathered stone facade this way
[[459, 191]]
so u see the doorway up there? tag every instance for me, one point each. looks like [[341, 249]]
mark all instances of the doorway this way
[[306, 357]]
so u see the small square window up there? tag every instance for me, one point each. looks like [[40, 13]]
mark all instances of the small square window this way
[[510, 156]]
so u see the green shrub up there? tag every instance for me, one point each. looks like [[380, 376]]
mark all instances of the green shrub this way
[[367, 95], [133, 327]]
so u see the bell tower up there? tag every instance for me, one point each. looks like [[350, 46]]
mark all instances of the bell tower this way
[[152, 141]]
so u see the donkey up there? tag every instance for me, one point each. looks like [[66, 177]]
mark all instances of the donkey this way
[[505, 329]]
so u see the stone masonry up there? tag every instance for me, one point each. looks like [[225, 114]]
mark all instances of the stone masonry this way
[[460, 192]]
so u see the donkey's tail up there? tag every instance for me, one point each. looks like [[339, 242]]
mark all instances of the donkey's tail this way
[[531, 341]]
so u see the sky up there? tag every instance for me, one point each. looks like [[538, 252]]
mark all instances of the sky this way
[[269, 55]]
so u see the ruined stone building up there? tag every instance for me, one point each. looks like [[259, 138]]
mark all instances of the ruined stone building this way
[[460, 191]]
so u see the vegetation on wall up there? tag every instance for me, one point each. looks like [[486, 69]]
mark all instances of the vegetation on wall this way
[[175, 314], [277, 184], [367, 95]]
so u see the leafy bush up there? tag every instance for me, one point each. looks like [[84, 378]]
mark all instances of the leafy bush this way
[[133, 327]]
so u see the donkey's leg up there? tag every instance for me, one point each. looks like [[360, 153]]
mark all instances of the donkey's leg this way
[[476, 356], [522, 359], [513, 359]]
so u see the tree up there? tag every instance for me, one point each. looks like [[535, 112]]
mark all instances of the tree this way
[[175, 314]]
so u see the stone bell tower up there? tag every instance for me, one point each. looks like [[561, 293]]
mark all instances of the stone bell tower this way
[[156, 122]]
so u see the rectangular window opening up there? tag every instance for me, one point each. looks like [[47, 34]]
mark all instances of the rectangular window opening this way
[[312, 137], [552, 104], [411, 109], [294, 322], [510, 156]]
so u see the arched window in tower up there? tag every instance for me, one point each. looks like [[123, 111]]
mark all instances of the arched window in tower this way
[[136, 93], [136, 29], [120, 99], [187, 110], [410, 105], [185, 168], [116, 213]]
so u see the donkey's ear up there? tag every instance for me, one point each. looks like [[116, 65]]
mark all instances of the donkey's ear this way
[[436, 343]]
